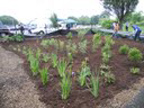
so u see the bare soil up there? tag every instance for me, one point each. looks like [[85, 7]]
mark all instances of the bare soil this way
[[81, 97]]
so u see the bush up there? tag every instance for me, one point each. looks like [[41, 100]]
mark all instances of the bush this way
[[135, 55], [106, 23], [69, 35], [123, 49]]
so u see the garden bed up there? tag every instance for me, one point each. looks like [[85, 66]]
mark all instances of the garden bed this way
[[81, 97]]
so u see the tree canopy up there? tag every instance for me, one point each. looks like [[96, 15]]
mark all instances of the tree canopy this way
[[121, 8], [8, 20], [54, 20]]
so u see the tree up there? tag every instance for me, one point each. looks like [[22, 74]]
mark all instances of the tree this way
[[54, 20], [84, 20], [74, 18], [136, 17], [95, 20], [122, 8], [105, 14], [8, 20]]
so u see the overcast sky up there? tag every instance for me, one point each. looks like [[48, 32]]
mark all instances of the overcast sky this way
[[26, 10]]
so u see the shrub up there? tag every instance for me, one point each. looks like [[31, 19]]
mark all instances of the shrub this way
[[123, 49], [134, 70], [135, 55], [109, 40]]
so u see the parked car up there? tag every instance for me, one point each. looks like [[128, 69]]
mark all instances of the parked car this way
[[5, 30]]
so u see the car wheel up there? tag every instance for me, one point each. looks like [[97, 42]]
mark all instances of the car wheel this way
[[41, 32], [3, 34]]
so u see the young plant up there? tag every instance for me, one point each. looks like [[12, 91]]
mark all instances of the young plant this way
[[96, 42], [69, 35], [123, 49], [61, 67], [44, 76], [38, 53], [54, 60], [34, 65], [135, 70], [135, 55], [65, 87], [83, 46], [109, 77], [81, 34], [94, 82], [61, 45], [45, 58], [45, 43], [70, 57], [85, 72], [109, 40]]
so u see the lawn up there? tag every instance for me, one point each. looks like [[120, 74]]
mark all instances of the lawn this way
[[72, 71]]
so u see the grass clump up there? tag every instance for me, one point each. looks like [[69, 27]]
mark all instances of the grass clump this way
[[96, 41], [65, 87], [85, 71], [135, 55], [124, 49], [61, 67], [44, 76], [54, 60]]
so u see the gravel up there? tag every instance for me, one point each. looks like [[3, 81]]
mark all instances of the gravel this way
[[16, 88]]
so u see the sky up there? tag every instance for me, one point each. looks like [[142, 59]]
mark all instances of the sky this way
[[27, 10]]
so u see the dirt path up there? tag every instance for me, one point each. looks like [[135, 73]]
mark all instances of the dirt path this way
[[16, 88]]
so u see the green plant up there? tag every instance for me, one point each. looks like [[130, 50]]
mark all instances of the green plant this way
[[94, 82], [70, 57], [45, 58], [96, 41], [54, 60], [109, 40], [44, 76], [83, 46], [61, 67], [123, 49], [103, 69], [34, 65], [45, 43], [65, 87], [38, 53], [106, 57], [135, 55], [81, 34], [61, 45], [109, 77], [135, 70], [85, 71], [69, 35]]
